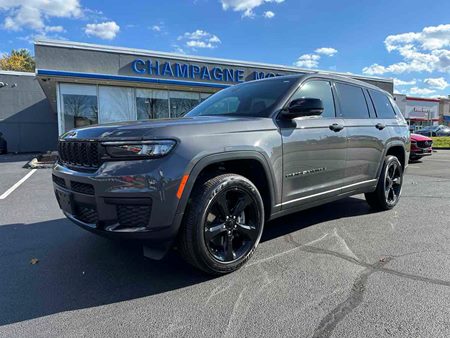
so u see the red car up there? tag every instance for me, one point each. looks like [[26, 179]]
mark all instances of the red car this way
[[420, 146]]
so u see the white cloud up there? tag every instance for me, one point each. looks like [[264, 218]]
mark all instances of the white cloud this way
[[93, 15], [33, 14], [328, 51], [438, 83], [54, 29], [269, 14], [308, 61], [200, 39], [156, 28], [105, 30], [421, 91], [312, 60], [425, 51], [178, 49], [399, 82], [430, 38], [245, 6], [159, 28]]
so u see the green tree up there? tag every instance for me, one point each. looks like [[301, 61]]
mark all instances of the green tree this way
[[19, 60]]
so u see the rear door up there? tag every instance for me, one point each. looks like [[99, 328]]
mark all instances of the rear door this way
[[365, 136], [387, 116], [314, 149]]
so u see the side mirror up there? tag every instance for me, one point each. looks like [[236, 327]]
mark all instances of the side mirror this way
[[303, 107]]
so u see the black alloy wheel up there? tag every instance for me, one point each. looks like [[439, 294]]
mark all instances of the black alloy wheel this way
[[231, 225], [389, 186], [222, 225], [393, 182]]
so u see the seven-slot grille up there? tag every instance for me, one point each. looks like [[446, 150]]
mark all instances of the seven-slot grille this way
[[79, 153]]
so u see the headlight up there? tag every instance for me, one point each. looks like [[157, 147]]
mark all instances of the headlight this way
[[139, 149]]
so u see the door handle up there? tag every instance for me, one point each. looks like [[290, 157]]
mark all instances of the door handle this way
[[380, 126], [336, 127]]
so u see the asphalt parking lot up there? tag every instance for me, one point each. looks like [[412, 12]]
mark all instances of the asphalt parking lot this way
[[336, 270]]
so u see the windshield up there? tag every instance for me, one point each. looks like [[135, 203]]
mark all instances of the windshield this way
[[256, 99]]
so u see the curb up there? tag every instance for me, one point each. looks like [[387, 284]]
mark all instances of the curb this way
[[43, 161], [35, 164]]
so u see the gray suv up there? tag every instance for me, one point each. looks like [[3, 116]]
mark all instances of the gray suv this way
[[207, 182]]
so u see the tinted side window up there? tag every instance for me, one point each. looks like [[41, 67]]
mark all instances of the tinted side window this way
[[352, 102], [382, 105], [396, 108], [370, 105], [319, 90]]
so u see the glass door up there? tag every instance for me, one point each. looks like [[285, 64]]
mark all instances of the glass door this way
[[116, 104], [182, 102], [152, 104]]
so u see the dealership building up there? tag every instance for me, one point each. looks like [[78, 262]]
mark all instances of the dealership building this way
[[420, 112], [78, 84]]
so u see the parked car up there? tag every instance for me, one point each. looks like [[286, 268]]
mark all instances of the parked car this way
[[3, 145], [432, 131], [248, 154], [420, 146], [443, 131]]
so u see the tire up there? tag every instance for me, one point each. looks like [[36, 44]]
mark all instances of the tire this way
[[389, 186], [216, 236]]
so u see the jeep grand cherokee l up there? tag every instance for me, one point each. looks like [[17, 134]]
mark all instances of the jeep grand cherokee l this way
[[208, 182]]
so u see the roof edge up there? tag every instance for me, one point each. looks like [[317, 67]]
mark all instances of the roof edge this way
[[12, 72], [144, 52]]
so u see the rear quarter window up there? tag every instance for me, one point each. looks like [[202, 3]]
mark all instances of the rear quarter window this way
[[352, 101], [382, 105]]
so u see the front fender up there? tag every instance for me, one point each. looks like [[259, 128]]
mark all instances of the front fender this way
[[195, 168]]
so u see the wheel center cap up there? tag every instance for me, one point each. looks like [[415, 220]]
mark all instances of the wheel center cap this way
[[230, 223]]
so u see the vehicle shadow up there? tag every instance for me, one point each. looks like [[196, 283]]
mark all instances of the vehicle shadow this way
[[412, 161], [345, 208], [76, 270]]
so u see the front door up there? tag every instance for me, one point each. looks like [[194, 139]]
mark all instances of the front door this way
[[314, 149]]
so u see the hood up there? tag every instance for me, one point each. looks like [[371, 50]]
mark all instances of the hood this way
[[169, 128], [417, 137]]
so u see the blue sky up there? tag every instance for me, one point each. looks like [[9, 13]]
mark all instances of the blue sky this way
[[405, 40]]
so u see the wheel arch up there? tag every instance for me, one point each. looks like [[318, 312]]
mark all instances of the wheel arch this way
[[398, 149], [214, 161]]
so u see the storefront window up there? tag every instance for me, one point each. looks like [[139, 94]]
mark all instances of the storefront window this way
[[116, 104], [182, 102], [79, 105], [204, 96], [152, 104], [83, 105]]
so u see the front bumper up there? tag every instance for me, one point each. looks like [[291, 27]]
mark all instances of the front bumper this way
[[112, 203], [420, 152]]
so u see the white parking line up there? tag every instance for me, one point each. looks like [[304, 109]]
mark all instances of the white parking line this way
[[15, 186]]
